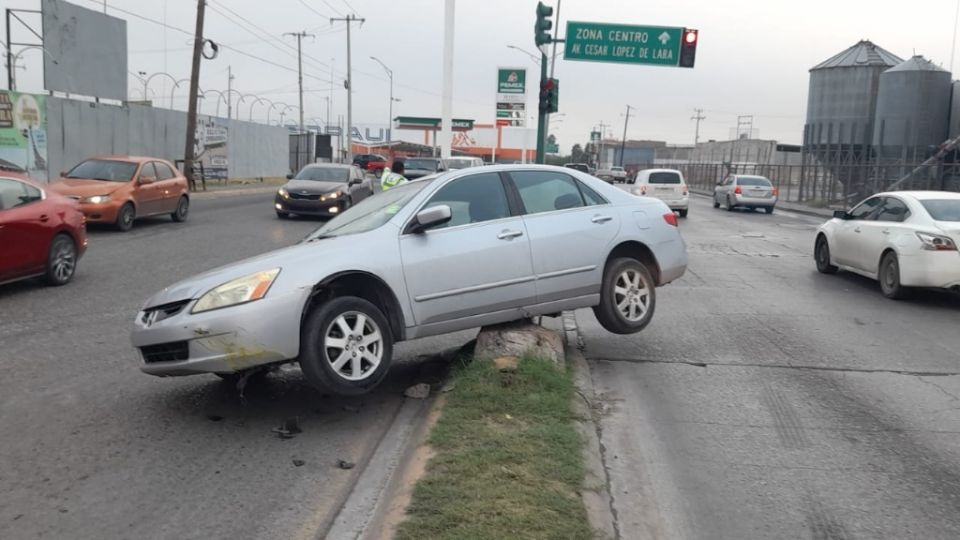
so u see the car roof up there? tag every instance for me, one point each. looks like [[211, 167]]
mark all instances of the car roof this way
[[924, 195], [131, 159], [751, 176], [661, 170]]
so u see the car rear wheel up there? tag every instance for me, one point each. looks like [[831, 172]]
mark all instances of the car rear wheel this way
[[62, 260], [183, 207], [822, 255], [346, 346], [125, 217], [729, 204], [890, 278], [628, 297], [683, 213], [716, 203], [769, 209]]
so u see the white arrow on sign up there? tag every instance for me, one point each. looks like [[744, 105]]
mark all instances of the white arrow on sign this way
[[664, 38]]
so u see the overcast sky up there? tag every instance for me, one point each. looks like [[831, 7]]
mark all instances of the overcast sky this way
[[752, 58]]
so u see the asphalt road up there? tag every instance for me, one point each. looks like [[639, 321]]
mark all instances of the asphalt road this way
[[90, 447], [769, 401]]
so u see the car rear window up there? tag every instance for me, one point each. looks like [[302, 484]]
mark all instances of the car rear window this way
[[663, 178], [753, 181], [943, 209]]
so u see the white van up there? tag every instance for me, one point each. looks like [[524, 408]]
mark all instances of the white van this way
[[667, 185]]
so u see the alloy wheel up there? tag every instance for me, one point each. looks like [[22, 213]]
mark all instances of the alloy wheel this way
[[64, 260], [631, 294], [354, 346]]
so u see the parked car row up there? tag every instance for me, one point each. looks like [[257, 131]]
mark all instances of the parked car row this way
[[43, 228]]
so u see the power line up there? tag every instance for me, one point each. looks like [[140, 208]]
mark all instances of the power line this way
[[148, 19], [335, 10], [349, 6], [313, 9]]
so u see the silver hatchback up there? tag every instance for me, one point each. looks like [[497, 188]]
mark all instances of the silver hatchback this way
[[466, 249], [745, 191]]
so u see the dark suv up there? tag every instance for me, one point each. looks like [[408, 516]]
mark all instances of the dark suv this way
[[363, 161]]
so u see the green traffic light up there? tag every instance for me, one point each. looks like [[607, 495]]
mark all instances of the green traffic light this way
[[543, 25]]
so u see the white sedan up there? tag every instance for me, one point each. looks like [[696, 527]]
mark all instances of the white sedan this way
[[903, 239]]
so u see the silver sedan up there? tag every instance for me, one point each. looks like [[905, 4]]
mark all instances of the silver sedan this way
[[465, 249]]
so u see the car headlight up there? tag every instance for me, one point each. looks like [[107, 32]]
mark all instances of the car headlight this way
[[283, 193], [96, 199], [238, 291], [330, 196]]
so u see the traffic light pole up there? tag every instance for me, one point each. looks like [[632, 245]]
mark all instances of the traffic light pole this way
[[542, 114]]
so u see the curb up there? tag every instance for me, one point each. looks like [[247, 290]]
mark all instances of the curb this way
[[596, 491], [791, 208], [215, 194]]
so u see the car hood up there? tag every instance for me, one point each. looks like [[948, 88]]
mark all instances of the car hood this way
[[313, 186], [291, 258], [79, 187]]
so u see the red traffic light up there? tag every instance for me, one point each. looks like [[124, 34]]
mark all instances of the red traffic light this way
[[690, 36]]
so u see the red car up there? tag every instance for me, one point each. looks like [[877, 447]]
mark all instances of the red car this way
[[42, 233]]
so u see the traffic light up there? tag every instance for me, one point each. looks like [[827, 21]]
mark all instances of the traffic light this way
[[688, 47], [549, 95], [543, 26]]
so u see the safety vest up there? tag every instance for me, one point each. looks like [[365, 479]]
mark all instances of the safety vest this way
[[391, 180]]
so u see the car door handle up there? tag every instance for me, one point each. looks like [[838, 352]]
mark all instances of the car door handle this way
[[44, 218], [856, 230], [509, 235], [601, 219]]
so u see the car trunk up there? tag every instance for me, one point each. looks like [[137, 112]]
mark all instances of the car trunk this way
[[757, 192]]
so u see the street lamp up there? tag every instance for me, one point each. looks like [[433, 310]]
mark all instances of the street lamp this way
[[390, 75], [533, 57]]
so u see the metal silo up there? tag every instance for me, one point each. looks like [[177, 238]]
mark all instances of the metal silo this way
[[913, 107], [842, 101]]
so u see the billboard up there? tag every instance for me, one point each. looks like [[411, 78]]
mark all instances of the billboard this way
[[23, 133], [511, 96], [211, 146], [85, 51]]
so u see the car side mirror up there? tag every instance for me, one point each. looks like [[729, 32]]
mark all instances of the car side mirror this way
[[355, 182], [431, 217], [841, 214], [63, 174], [289, 176], [145, 180]]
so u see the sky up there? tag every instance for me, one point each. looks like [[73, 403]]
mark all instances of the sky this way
[[753, 58]]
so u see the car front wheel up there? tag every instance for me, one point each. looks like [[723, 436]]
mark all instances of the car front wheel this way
[[183, 208], [125, 217], [627, 298], [822, 255], [61, 261], [346, 346]]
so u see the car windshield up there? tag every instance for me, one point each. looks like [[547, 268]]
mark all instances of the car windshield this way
[[459, 163], [943, 209], [664, 178], [428, 164], [757, 181], [369, 213], [104, 169], [324, 174]]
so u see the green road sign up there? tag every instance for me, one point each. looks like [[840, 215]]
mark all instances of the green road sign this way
[[553, 148], [623, 43]]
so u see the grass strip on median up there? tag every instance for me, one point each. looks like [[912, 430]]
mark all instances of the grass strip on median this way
[[507, 458]]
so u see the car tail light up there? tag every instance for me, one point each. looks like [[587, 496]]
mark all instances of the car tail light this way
[[685, 191], [935, 242], [670, 218], [738, 190], [776, 192]]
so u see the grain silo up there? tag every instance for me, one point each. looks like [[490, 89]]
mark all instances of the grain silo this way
[[913, 108]]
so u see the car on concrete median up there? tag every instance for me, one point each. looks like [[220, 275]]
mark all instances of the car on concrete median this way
[[322, 189], [462, 250], [613, 174], [120, 189], [903, 239], [668, 185], [42, 234], [745, 191]]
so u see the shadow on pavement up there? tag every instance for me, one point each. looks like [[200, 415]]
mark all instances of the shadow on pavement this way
[[934, 298]]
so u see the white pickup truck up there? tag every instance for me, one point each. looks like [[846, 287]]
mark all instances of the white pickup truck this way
[[612, 175]]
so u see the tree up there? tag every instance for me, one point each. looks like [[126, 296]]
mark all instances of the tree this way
[[576, 154]]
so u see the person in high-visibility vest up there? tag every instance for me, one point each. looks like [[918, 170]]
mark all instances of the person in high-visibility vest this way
[[393, 177]]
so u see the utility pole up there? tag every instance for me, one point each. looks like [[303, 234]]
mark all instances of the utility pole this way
[[390, 75], [229, 91], [698, 117], [349, 19], [300, 36], [446, 105], [192, 107], [623, 143]]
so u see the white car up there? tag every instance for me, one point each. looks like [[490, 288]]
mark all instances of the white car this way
[[668, 185], [903, 239]]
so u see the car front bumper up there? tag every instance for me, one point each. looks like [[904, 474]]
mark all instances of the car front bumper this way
[[100, 213], [939, 269], [224, 340], [309, 207]]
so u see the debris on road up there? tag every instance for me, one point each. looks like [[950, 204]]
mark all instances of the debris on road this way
[[299, 463], [418, 391], [345, 465], [214, 417], [289, 428]]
